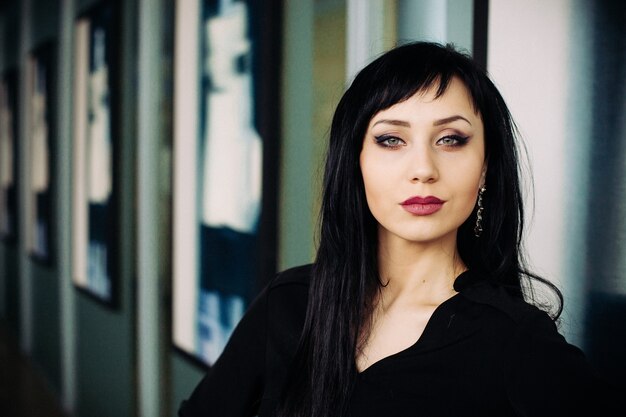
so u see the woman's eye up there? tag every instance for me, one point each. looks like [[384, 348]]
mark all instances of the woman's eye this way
[[452, 140], [389, 141]]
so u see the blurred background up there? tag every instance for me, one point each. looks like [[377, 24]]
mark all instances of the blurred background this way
[[161, 160]]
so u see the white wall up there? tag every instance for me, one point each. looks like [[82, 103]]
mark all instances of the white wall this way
[[535, 58]]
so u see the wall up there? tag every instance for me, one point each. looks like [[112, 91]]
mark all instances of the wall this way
[[45, 278], [560, 67], [104, 361], [604, 268], [85, 350], [105, 337]]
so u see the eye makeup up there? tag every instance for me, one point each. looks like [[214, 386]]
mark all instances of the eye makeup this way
[[453, 140], [389, 141]]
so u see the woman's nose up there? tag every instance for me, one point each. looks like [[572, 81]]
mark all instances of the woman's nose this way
[[422, 166]]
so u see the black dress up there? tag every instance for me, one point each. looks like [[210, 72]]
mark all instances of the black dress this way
[[482, 353]]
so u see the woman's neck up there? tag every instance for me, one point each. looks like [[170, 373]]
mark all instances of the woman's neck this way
[[421, 273]]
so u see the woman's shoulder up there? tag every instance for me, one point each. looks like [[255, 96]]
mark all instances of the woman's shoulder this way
[[529, 337], [510, 308], [294, 276], [287, 296]]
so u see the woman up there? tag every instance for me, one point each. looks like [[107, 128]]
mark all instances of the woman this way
[[418, 302]]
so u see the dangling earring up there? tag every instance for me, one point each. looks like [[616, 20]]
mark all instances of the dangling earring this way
[[478, 228]]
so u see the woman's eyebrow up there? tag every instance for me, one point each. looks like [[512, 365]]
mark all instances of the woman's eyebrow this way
[[393, 122], [438, 122], [450, 119]]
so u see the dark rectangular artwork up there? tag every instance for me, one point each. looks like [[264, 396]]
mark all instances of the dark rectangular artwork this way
[[225, 146], [40, 136], [9, 172], [94, 149]]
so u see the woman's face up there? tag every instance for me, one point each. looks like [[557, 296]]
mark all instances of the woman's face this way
[[423, 162]]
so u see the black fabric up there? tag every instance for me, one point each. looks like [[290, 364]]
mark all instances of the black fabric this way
[[482, 353]]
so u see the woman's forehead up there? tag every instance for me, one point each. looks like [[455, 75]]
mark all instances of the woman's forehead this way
[[456, 97]]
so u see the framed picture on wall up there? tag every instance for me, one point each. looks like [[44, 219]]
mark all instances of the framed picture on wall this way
[[9, 155], [226, 126], [94, 227], [40, 74]]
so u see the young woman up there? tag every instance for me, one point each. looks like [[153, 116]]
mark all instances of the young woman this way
[[418, 302]]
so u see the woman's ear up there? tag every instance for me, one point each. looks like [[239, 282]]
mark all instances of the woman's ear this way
[[483, 175]]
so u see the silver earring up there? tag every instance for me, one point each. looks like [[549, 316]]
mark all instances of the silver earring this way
[[478, 227]]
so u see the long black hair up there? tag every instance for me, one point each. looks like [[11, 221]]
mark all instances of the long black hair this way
[[345, 278]]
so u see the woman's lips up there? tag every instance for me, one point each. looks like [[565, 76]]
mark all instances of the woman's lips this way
[[422, 206]]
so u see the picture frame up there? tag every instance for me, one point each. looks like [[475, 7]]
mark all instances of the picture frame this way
[[225, 164], [94, 145], [9, 161], [41, 79]]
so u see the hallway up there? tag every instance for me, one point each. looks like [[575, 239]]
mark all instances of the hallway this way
[[23, 392]]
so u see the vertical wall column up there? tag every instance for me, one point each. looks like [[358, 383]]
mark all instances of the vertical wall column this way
[[437, 20], [64, 217], [365, 33], [25, 278], [604, 275], [3, 266], [295, 205], [150, 274]]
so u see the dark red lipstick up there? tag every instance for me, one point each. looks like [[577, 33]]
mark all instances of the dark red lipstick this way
[[422, 206], [423, 200]]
